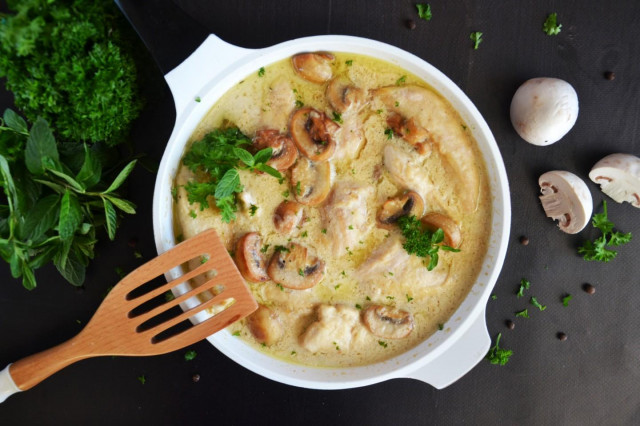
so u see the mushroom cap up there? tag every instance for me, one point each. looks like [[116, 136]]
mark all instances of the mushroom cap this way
[[249, 259], [566, 198], [296, 268], [407, 204], [313, 66], [543, 110], [388, 322], [619, 177], [452, 235]]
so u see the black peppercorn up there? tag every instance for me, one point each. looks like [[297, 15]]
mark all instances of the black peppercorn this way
[[589, 288], [561, 336], [411, 24], [195, 378], [610, 75], [524, 240], [510, 324]]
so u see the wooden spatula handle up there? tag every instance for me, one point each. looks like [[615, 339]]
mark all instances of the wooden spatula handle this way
[[33, 369]]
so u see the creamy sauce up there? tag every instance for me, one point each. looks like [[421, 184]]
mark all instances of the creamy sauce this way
[[431, 297]]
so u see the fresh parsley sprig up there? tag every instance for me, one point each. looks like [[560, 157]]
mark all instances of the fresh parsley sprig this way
[[597, 249], [498, 355], [421, 241], [54, 201], [216, 160], [551, 26]]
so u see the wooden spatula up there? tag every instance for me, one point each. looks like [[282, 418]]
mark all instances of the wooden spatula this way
[[121, 326]]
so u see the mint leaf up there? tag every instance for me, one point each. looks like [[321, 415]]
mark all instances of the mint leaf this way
[[229, 184], [124, 205], [70, 215], [263, 155], [73, 270], [244, 156], [41, 217], [14, 121], [122, 176], [41, 146], [91, 170], [110, 218], [71, 181]]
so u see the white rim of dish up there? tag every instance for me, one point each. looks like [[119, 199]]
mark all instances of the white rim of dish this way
[[474, 303]]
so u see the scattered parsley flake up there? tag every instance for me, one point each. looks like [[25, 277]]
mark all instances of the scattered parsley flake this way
[[299, 103], [349, 62], [285, 194], [358, 306], [351, 227], [301, 272], [498, 355], [142, 379], [424, 11], [253, 209], [389, 133], [298, 188], [236, 333], [476, 37], [293, 353], [537, 304], [324, 230], [524, 285], [382, 343], [409, 298], [378, 111], [440, 326], [137, 254], [494, 296], [390, 297], [597, 250], [264, 248], [401, 80], [397, 104], [523, 313], [193, 214], [566, 299], [280, 286], [337, 117], [550, 25], [337, 286], [304, 234], [279, 249], [190, 355], [261, 72], [368, 298], [198, 99]]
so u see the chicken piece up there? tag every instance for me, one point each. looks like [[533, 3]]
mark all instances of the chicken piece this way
[[408, 173], [333, 331], [350, 137], [429, 111], [345, 215], [391, 271], [278, 104]]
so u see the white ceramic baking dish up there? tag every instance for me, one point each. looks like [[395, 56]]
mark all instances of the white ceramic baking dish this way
[[447, 355]]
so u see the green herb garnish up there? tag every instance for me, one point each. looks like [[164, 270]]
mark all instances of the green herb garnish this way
[[476, 37], [349, 62], [523, 313], [498, 355], [261, 72], [524, 285], [253, 209], [597, 249], [280, 249], [190, 355], [337, 117], [389, 133], [550, 25], [566, 299], [382, 343], [401, 80], [535, 303], [358, 306], [422, 242], [299, 103], [236, 333], [142, 379], [409, 298], [424, 11]]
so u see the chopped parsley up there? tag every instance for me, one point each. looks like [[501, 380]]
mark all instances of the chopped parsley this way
[[566, 299], [349, 62], [368, 298], [422, 242], [349, 251], [537, 304], [597, 250], [337, 286], [286, 193], [424, 11], [523, 313], [324, 230], [440, 326], [198, 99], [298, 188], [264, 248], [279, 249], [253, 209], [304, 234], [498, 355], [190, 355], [299, 103], [193, 214], [280, 286], [524, 285], [236, 333], [261, 72], [337, 117], [551, 26], [401, 80], [142, 379], [476, 37], [382, 343], [358, 306], [301, 272], [351, 227], [494, 296], [389, 133], [390, 297], [409, 298]]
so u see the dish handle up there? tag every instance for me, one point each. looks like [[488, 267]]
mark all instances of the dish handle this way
[[459, 358]]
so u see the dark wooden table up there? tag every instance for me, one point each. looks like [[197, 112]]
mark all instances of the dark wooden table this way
[[591, 378]]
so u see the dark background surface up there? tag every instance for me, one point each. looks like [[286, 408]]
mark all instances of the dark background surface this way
[[591, 378]]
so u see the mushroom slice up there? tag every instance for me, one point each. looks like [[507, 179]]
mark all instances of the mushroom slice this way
[[343, 95], [410, 131], [296, 267], [313, 132], [619, 177], [284, 152], [314, 179], [314, 67], [265, 325], [408, 204], [287, 216], [566, 198], [388, 323], [434, 221], [249, 259]]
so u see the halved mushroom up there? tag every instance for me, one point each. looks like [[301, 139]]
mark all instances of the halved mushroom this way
[[407, 204], [566, 198], [287, 216], [296, 267], [314, 179], [619, 177], [313, 132], [410, 131], [387, 322], [343, 95], [452, 236], [249, 259], [284, 152], [265, 325], [314, 67]]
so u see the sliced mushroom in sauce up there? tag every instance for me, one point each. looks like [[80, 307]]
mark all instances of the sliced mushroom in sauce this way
[[296, 267], [249, 259], [434, 221], [344, 96], [284, 152], [313, 66], [313, 133], [407, 204], [387, 322], [287, 216], [311, 181]]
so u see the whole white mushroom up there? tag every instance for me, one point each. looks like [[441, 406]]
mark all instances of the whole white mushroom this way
[[543, 110]]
